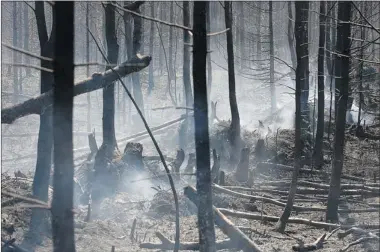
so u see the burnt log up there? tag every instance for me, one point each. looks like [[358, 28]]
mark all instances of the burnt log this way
[[133, 155]]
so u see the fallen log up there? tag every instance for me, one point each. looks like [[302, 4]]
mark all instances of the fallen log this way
[[38, 104], [292, 220], [318, 244], [278, 203], [167, 244], [263, 166], [238, 238]]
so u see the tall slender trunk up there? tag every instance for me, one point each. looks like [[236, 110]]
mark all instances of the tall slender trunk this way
[[88, 68], [186, 56], [300, 34], [45, 135], [361, 63], [209, 67], [62, 203], [241, 34], [170, 56], [292, 50], [128, 28], [258, 30], [160, 50], [235, 118], [271, 62], [202, 145], [15, 54], [151, 50], [137, 93], [318, 155], [342, 70], [26, 38]]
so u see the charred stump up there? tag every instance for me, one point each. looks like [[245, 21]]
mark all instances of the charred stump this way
[[242, 171], [133, 155]]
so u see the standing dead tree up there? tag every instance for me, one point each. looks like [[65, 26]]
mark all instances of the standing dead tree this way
[[271, 61], [341, 69], [300, 23], [202, 145], [63, 183], [234, 131], [318, 155]]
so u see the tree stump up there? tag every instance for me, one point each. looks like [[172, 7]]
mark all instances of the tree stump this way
[[242, 171], [222, 178], [215, 167], [180, 157], [190, 163], [133, 155], [260, 150]]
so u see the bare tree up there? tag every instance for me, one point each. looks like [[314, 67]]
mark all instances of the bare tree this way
[[234, 131], [258, 30], [170, 56], [241, 32], [26, 37], [300, 30], [15, 54], [137, 33], [209, 66], [202, 145], [62, 204], [291, 36], [88, 68], [341, 69], [271, 61], [318, 155], [45, 135]]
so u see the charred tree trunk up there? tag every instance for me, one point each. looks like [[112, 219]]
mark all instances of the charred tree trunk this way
[[186, 56], [151, 50], [341, 69], [241, 34], [318, 155], [362, 37], [88, 68], [291, 37], [137, 93], [26, 37], [258, 30], [235, 118], [271, 63], [209, 67], [45, 135], [300, 22], [62, 204], [202, 145]]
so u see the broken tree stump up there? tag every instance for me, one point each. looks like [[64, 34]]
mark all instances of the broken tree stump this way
[[241, 173], [260, 150], [133, 155], [180, 157], [222, 178], [215, 167], [190, 163]]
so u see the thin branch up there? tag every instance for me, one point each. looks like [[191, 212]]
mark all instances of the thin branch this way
[[26, 52], [284, 63], [29, 5], [28, 66], [364, 18], [94, 64]]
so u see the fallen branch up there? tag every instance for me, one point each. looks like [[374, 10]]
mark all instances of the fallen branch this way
[[238, 238], [167, 244], [38, 104], [317, 224], [358, 241], [318, 244], [278, 203]]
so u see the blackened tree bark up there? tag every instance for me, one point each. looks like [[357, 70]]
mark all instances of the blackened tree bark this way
[[151, 50], [241, 33], [209, 67], [62, 204], [202, 145], [258, 30], [341, 69], [318, 155], [26, 37], [271, 61], [137, 93], [235, 118], [362, 37], [305, 122], [300, 20], [45, 135], [329, 44], [292, 50], [109, 138]]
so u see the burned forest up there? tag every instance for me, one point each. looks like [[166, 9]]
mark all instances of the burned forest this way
[[190, 126]]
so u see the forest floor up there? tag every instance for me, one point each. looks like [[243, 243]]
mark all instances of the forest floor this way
[[153, 209]]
